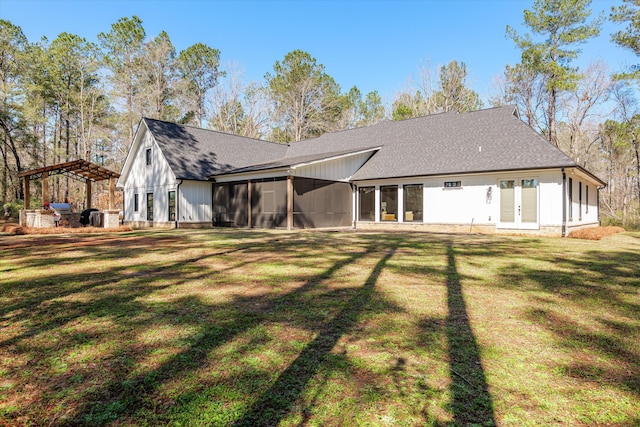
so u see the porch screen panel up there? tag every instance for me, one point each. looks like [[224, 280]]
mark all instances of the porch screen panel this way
[[367, 203], [507, 201], [220, 201], [318, 203], [530, 200], [269, 203]]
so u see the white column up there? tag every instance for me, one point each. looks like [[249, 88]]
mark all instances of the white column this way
[[400, 203], [377, 215]]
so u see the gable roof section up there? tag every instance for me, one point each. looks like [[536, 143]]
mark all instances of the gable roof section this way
[[295, 161], [451, 143], [488, 140], [194, 153]]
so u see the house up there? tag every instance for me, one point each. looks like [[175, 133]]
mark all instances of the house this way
[[482, 171]]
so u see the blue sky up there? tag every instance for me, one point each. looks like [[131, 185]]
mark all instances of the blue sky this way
[[375, 45]]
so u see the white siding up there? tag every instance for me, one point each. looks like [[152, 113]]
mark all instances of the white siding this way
[[340, 169], [195, 201], [583, 213], [477, 201], [156, 178]]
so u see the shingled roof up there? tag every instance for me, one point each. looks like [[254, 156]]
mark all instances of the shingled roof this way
[[449, 143], [195, 153]]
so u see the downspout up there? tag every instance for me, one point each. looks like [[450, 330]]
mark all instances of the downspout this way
[[564, 203], [178, 204]]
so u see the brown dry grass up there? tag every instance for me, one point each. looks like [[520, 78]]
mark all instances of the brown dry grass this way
[[16, 229], [595, 233]]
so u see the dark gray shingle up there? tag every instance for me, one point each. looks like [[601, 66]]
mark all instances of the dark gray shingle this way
[[195, 153], [448, 143]]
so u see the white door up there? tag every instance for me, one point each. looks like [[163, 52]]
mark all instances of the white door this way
[[518, 206]]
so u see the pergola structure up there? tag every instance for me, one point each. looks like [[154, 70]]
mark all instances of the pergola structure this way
[[81, 170]]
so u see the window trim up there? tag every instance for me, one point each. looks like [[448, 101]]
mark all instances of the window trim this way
[[360, 188], [172, 208], [149, 207], [580, 201], [404, 202], [586, 201], [570, 199], [396, 213]]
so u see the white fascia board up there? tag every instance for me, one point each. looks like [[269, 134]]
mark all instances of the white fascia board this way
[[131, 155]]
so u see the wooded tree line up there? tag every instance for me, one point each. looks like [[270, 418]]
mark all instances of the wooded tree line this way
[[69, 98]]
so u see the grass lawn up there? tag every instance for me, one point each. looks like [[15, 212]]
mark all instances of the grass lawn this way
[[250, 328]]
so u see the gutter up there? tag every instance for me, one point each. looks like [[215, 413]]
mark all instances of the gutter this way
[[178, 204], [564, 203]]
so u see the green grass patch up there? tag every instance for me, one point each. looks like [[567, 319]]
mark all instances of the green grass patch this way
[[245, 328]]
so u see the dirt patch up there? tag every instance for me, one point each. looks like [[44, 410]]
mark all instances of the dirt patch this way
[[595, 233]]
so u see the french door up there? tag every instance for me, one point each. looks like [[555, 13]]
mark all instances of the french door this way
[[519, 203]]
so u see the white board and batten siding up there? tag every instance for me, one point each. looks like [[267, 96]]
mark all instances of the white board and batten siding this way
[[156, 178], [338, 169], [195, 202]]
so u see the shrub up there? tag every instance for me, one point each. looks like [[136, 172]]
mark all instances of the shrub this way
[[12, 210]]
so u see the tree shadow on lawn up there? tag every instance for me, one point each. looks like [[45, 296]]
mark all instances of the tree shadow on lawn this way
[[130, 390], [471, 401], [239, 316], [605, 284], [274, 404]]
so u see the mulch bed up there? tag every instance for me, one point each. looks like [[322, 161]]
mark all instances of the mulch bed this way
[[16, 229], [595, 233]]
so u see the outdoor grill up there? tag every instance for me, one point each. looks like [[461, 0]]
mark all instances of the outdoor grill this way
[[63, 213], [61, 208], [91, 217]]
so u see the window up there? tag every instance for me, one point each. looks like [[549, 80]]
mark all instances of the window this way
[[579, 201], [148, 156], [389, 203], [570, 199], [172, 205], [413, 202], [529, 200], [586, 199], [453, 184], [135, 203], [367, 203], [149, 206], [507, 201]]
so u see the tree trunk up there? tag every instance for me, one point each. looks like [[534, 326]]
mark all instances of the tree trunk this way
[[5, 171], [552, 117]]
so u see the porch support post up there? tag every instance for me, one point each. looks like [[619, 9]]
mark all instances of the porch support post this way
[[45, 187], [88, 194], [290, 202], [112, 193], [27, 192], [249, 189]]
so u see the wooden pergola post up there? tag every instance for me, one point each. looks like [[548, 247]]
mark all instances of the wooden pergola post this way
[[45, 187], [27, 192], [112, 193], [88, 194]]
